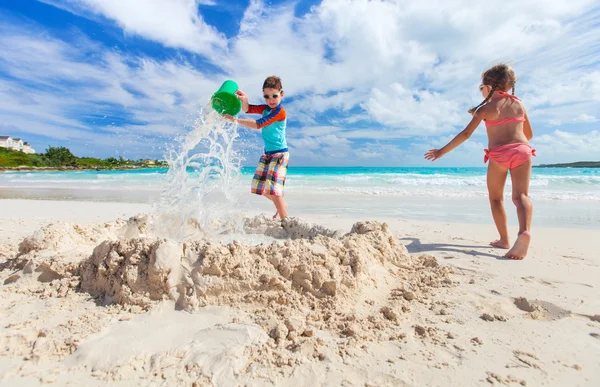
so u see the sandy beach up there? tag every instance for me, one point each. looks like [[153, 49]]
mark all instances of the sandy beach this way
[[91, 295], [138, 138]]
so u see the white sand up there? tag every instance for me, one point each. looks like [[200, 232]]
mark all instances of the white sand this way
[[355, 310]]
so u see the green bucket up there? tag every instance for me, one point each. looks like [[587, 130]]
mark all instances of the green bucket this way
[[225, 101]]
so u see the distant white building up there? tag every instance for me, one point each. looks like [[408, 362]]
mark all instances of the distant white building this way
[[27, 148], [16, 144]]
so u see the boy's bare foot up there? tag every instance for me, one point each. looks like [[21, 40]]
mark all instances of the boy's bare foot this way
[[500, 243], [519, 249], [277, 213]]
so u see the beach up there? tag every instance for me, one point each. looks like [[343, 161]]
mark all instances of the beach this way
[[386, 138], [333, 297]]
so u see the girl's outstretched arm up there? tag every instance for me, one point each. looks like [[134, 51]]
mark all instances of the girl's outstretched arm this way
[[527, 130], [463, 136]]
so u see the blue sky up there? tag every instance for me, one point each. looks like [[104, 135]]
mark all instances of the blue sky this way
[[367, 82]]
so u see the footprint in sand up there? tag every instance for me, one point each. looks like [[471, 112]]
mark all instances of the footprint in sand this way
[[538, 280], [541, 310], [527, 359], [553, 284], [573, 257], [488, 317], [494, 378]]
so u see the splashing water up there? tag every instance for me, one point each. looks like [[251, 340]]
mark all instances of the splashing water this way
[[197, 198]]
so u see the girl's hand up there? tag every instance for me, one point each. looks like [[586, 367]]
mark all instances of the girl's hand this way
[[433, 154], [228, 117], [241, 96]]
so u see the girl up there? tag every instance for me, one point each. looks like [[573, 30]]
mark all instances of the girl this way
[[509, 132]]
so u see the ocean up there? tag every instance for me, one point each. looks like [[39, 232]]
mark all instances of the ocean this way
[[562, 197]]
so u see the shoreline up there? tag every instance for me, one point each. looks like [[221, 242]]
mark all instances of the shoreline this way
[[547, 213], [74, 169]]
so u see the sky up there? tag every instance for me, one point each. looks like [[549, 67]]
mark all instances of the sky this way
[[367, 83]]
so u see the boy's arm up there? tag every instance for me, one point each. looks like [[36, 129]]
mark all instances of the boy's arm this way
[[249, 109], [244, 99], [278, 114], [247, 122], [255, 109], [527, 130], [463, 136], [250, 123], [246, 107]]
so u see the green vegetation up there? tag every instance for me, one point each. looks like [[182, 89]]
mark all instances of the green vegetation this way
[[578, 164], [62, 158]]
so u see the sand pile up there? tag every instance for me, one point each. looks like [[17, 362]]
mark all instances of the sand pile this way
[[308, 296], [55, 251], [291, 228], [293, 288]]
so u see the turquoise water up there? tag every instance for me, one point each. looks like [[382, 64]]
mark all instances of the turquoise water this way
[[546, 183], [562, 197]]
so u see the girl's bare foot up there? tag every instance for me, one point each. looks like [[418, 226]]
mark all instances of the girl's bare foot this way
[[500, 243], [519, 249]]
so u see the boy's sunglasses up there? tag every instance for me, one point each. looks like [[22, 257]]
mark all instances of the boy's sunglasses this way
[[274, 96]]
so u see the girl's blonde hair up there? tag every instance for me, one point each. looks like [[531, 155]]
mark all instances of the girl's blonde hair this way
[[499, 77]]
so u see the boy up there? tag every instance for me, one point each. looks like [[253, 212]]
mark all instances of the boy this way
[[269, 177]]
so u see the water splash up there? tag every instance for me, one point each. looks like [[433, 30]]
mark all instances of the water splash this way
[[197, 198]]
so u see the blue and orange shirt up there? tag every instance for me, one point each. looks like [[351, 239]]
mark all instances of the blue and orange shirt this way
[[272, 126]]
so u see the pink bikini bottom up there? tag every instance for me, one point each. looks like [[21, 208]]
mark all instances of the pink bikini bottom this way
[[510, 155]]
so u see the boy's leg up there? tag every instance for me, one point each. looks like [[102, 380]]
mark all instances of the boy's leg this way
[[270, 197], [260, 176], [496, 178], [280, 205], [273, 198], [520, 177], [276, 180]]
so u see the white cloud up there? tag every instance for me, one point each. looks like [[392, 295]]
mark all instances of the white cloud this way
[[320, 130], [580, 119], [174, 23], [354, 72], [72, 99], [382, 154], [560, 146], [420, 111], [336, 58]]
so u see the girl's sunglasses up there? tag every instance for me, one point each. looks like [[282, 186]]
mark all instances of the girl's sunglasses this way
[[274, 96]]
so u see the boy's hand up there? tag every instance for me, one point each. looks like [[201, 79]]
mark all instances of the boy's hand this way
[[241, 96], [433, 154], [228, 117]]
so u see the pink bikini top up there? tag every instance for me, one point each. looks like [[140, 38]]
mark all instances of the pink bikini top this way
[[505, 120]]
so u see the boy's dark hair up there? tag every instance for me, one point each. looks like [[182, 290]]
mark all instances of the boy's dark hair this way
[[499, 77], [272, 82]]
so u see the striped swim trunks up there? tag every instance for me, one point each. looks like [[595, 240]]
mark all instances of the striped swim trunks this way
[[269, 177]]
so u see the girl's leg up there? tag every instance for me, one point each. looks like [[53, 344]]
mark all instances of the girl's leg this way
[[496, 178], [520, 195]]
